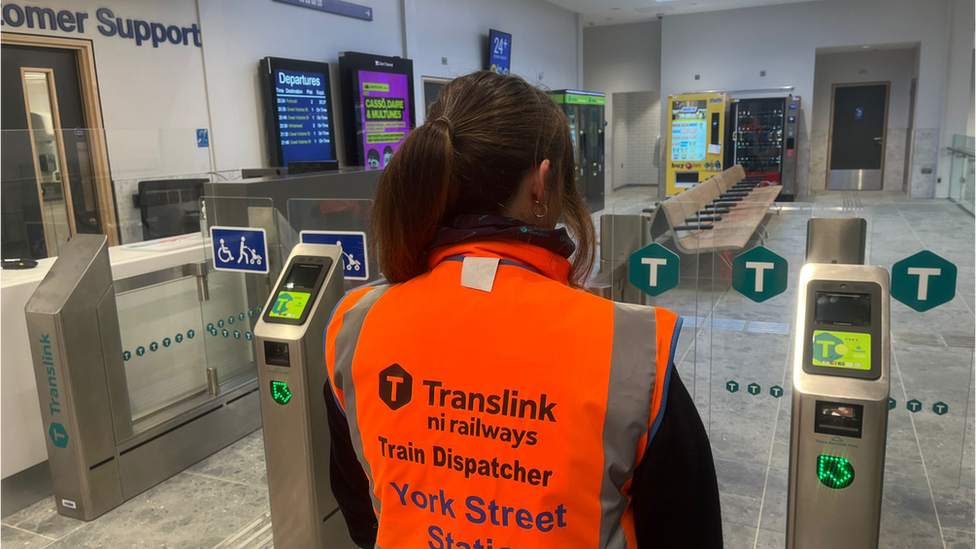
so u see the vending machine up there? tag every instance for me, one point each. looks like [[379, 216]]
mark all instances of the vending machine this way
[[586, 121], [696, 132], [763, 134]]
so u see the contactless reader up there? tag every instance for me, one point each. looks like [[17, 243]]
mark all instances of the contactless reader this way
[[840, 404], [292, 377]]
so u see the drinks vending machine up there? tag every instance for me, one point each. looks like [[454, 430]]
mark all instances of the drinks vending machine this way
[[763, 135]]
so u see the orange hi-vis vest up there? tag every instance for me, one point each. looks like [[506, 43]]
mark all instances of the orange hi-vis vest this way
[[492, 406]]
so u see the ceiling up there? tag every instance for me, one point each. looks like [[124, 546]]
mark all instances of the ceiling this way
[[616, 12]]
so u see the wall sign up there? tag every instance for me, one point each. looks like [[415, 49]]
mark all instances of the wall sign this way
[[337, 7], [355, 262], [241, 249], [35, 17]]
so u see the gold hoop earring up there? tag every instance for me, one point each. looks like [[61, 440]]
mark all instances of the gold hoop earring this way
[[545, 210]]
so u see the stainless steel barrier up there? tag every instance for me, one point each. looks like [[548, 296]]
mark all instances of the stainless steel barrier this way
[[101, 453]]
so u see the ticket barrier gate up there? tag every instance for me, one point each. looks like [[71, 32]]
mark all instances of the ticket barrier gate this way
[[840, 393], [620, 236], [292, 377], [99, 455]]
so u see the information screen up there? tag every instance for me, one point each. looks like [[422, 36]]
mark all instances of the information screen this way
[[303, 116], [689, 131], [843, 309], [499, 51], [851, 351], [385, 115]]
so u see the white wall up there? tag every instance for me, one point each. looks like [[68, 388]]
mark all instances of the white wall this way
[[621, 58], [709, 44], [239, 33], [897, 67], [544, 40], [958, 91]]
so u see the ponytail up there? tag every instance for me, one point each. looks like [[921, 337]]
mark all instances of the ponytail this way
[[415, 191], [484, 134]]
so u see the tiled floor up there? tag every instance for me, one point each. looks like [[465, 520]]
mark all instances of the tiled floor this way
[[929, 478]]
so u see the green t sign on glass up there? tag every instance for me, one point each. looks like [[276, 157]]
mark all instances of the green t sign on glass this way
[[654, 269], [760, 274], [923, 281]]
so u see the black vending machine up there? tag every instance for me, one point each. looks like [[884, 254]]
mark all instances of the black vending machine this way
[[586, 120], [763, 133]]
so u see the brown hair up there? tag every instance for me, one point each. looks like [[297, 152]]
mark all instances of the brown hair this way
[[484, 134]]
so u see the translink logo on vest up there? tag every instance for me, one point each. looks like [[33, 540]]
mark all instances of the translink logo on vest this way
[[396, 387]]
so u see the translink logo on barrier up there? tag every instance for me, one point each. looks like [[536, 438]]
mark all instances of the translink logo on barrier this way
[[760, 274], [923, 281], [654, 269]]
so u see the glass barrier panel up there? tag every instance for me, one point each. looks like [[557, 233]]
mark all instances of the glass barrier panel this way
[[335, 222], [163, 345], [237, 298]]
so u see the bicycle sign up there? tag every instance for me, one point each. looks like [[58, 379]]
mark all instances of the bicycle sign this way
[[355, 263], [239, 249]]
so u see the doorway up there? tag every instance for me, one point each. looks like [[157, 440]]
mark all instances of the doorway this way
[[54, 175], [858, 127]]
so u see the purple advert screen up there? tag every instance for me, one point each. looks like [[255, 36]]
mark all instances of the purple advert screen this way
[[385, 115]]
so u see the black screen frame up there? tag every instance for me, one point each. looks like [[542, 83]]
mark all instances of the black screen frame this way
[[350, 63], [267, 68], [491, 34], [874, 328], [327, 266]]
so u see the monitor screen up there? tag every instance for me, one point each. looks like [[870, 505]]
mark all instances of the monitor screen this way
[[499, 51], [689, 135], [848, 350], [843, 309], [385, 115], [299, 111]]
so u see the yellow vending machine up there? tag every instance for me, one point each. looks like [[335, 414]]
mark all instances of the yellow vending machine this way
[[696, 130]]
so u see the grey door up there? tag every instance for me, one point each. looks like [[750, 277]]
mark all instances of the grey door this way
[[857, 136]]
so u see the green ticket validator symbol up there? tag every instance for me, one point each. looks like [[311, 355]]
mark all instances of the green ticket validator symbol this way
[[179, 338], [835, 472], [289, 305], [237, 334], [280, 392], [225, 333], [731, 386], [842, 350], [754, 389]]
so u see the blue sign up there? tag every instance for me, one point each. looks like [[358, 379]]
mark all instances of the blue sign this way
[[858, 113], [499, 51], [239, 249], [355, 263], [203, 138], [337, 7]]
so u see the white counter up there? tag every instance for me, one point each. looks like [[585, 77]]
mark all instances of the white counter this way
[[22, 438]]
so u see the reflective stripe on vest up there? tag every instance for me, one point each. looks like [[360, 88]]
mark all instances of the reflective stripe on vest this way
[[637, 352]]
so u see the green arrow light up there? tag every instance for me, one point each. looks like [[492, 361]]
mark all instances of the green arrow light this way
[[835, 472], [280, 392]]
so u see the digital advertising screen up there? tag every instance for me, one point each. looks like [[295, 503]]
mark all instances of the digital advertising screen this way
[[385, 115], [298, 111], [689, 131], [848, 350], [499, 51], [377, 107]]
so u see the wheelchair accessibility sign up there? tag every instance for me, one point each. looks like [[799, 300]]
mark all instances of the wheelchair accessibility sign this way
[[239, 249], [355, 264]]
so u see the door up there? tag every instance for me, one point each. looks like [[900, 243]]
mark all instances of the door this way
[[858, 126], [48, 179]]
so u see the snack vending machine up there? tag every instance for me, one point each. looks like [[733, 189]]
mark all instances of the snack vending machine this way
[[586, 120], [763, 134], [696, 131]]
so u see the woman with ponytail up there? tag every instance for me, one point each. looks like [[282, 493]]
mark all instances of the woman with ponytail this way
[[482, 398]]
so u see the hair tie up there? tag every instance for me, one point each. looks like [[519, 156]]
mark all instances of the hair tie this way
[[447, 121]]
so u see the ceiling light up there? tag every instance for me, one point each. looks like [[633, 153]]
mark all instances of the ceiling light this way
[[865, 47]]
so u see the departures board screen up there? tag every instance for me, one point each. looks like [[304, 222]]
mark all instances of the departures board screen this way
[[298, 111]]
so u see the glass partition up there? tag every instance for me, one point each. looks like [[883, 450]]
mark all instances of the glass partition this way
[[56, 182], [735, 351], [337, 217], [962, 188]]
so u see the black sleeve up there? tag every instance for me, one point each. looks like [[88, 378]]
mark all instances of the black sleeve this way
[[349, 483], [675, 491]]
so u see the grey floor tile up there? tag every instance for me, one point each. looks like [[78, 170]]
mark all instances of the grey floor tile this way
[[739, 510], [775, 501], [959, 539], [908, 519], [242, 461], [739, 536], [956, 508], [12, 537], [43, 518], [740, 478], [769, 539], [188, 511]]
